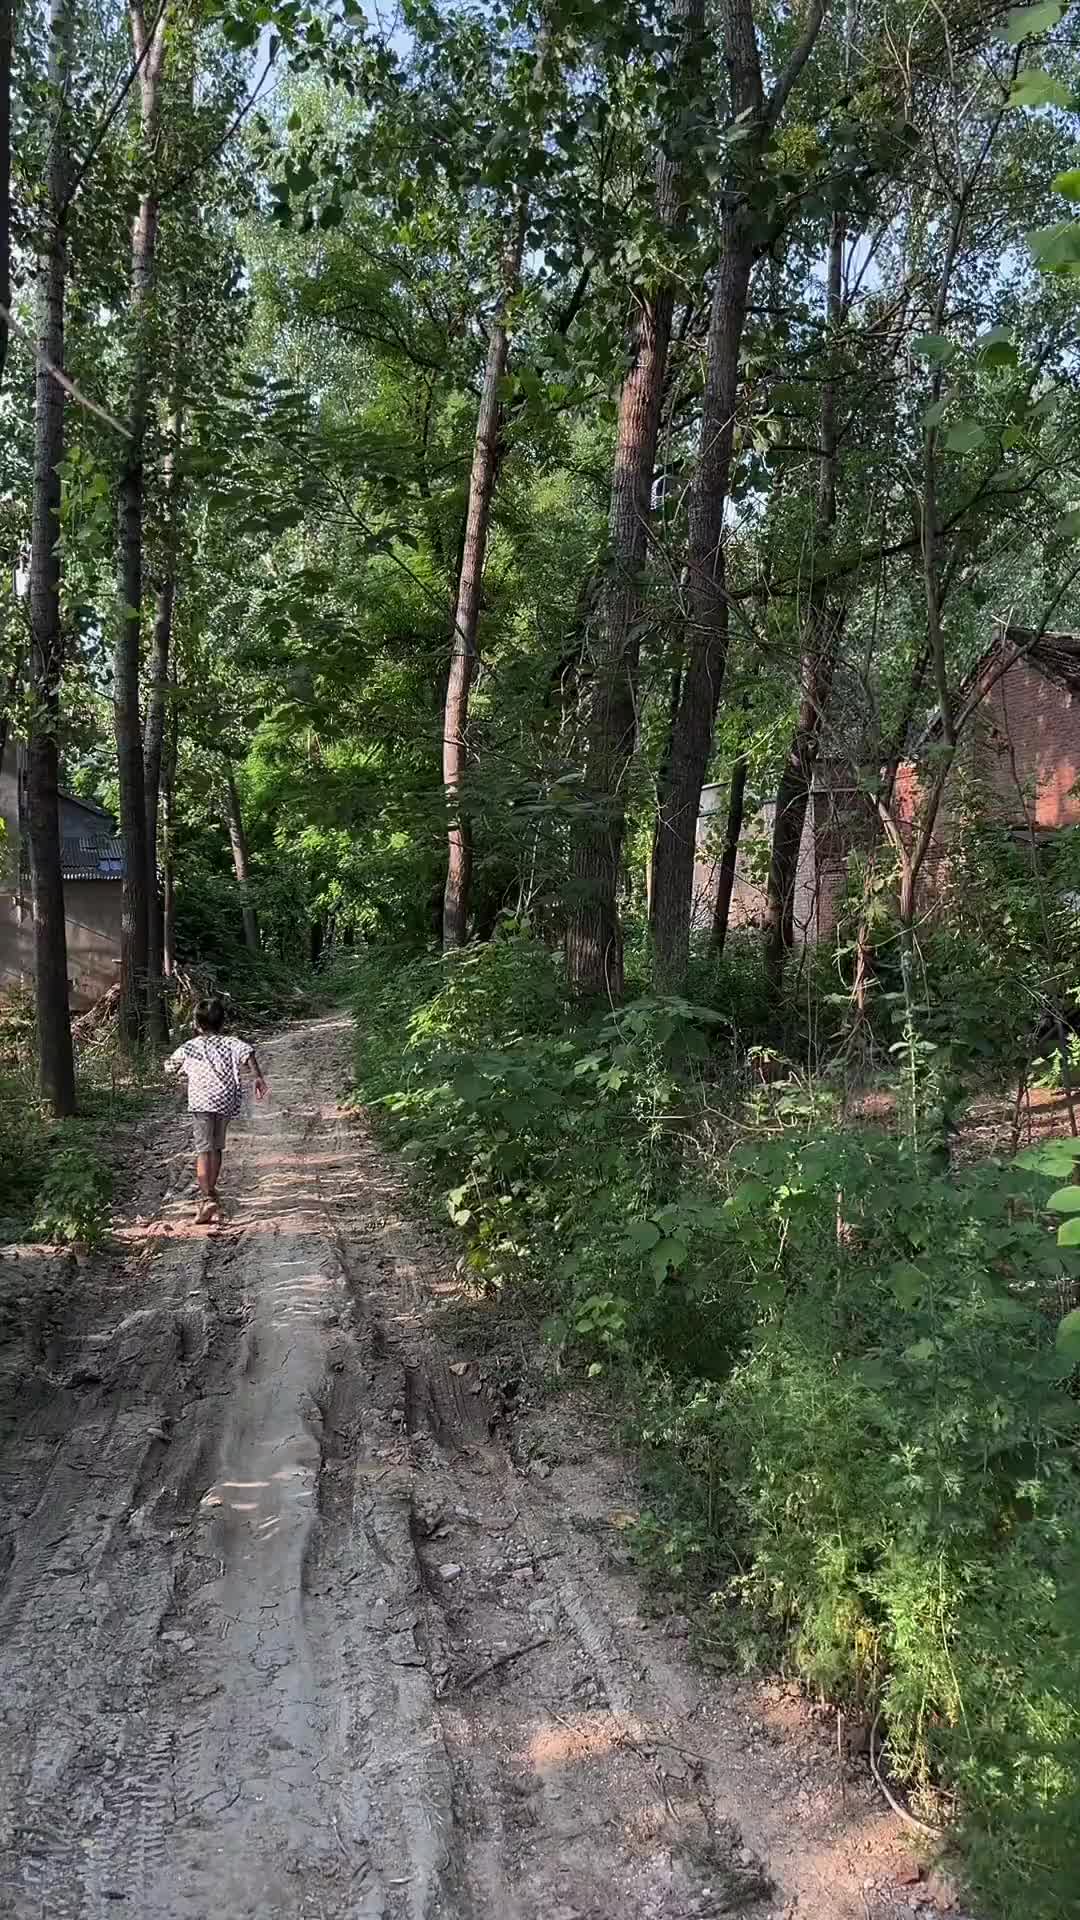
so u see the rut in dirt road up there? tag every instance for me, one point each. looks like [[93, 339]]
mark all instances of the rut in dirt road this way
[[288, 1629]]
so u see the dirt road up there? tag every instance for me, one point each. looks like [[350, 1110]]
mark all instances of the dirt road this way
[[297, 1619]]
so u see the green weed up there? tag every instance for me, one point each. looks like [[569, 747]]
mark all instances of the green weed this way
[[854, 1414], [55, 1179], [73, 1199]]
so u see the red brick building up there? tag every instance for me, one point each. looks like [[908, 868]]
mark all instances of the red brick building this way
[[1019, 752]]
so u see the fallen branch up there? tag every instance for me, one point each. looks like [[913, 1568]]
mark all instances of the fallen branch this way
[[504, 1660], [901, 1812]]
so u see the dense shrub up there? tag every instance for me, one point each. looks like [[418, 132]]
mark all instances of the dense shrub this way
[[899, 1463], [843, 1359], [273, 984], [73, 1197], [546, 1144], [55, 1176], [21, 1151]]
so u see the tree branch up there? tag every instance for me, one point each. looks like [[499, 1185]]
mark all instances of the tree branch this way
[[575, 303], [212, 152], [61, 378], [800, 54], [98, 138]]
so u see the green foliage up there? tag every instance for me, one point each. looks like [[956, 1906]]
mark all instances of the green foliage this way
[[275, 983], [73, 1199], [851, 1359], [850, 1371], [554, 1146], [900, 1464], [55, 1181], [22, 1146], [22, 1131], [733, 983], [56, 1176]]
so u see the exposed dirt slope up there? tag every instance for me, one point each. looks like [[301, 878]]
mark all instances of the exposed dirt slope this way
[[287, 1628]]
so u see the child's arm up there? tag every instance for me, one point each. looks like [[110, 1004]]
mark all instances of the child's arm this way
[[261, 1088]]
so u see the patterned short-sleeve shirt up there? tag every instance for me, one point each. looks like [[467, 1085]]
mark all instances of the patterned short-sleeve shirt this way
[[214, 1064]]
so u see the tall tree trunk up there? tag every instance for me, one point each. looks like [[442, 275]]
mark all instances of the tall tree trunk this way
[[238, 843], [725, 880], [865, 947], [152, 769], [7, 12], [155, 735], [793, 792], [707, 604], [690, 745], [55, 1058], [594, 955], [463, 651], [824, 625], [168, 836], [663, 772], [150, 49]]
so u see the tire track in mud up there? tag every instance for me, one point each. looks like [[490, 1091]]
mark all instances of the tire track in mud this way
[[285, 1630], [88, 1584]]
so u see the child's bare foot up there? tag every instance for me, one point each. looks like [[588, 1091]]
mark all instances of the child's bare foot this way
[[206, 1212]]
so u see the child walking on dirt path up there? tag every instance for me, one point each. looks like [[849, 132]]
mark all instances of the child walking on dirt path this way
[[215, 1064]]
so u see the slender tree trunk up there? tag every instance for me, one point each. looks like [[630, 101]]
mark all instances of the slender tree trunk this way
[[463, 652], [168, 838], [707, 609], [690, 744], [662, 775], [865, 950], [793, 793], [238, 843], [55, 1057], [155, 738], [7, 12], [725, 880], [864, 968], [594, 954], [594, 936], [152, 770], [126, 717], [823, 628]]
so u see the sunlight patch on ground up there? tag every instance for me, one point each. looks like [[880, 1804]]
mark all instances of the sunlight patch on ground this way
[[557, 1744]]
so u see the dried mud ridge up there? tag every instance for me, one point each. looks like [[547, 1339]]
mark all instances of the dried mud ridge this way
[[297, 1618]]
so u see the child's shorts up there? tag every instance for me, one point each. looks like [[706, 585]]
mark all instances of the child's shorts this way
[[209, 1131]]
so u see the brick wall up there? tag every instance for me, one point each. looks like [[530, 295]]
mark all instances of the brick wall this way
[[1028, 729]]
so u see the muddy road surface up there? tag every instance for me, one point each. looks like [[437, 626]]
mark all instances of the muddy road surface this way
[[298, 1617]]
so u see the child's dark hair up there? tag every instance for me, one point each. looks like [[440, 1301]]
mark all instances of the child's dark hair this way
[[210, 1016]]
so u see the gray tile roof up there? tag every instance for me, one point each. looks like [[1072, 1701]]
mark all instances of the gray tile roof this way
[[95, 856]]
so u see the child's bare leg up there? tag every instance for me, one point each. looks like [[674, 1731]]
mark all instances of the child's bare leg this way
[[204, 1174], [215, 1171]]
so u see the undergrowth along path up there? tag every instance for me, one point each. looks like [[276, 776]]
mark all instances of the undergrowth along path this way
[[290, 1625]]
